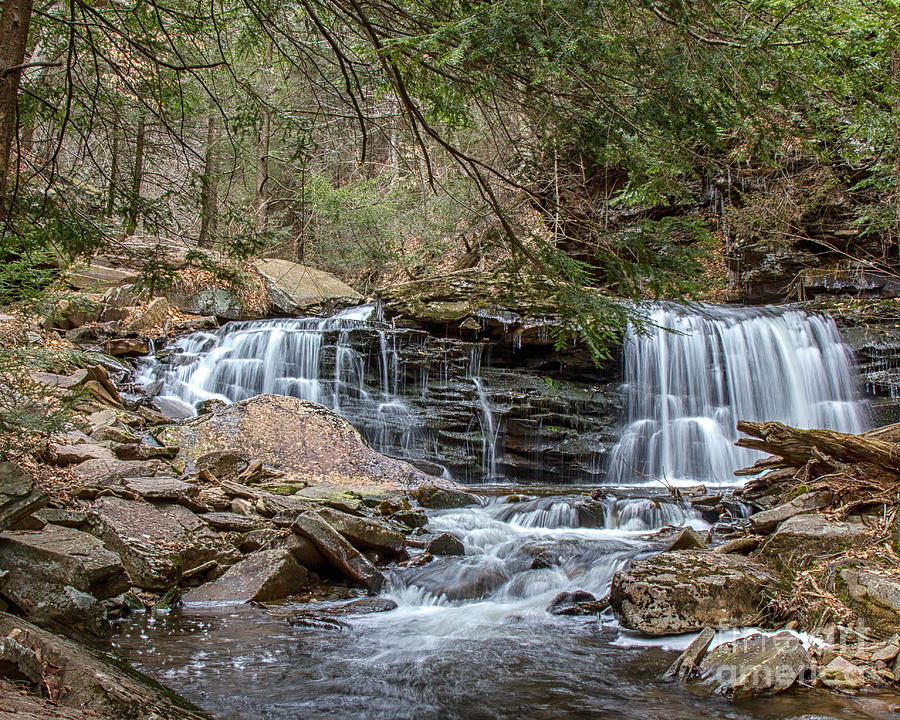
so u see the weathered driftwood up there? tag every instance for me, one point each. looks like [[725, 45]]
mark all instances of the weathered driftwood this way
[[797, 447]]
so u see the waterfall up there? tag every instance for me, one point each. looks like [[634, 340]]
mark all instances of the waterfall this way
[[696, 372], [284, 356]]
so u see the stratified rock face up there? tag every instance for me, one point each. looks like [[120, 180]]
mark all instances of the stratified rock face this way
[[688, 590], [755, 665], [296, 289], [263, 576], [306, 441]]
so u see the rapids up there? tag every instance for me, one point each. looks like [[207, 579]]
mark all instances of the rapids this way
[[471, 636]]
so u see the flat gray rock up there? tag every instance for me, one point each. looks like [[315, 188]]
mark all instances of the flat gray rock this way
[[261, 577]]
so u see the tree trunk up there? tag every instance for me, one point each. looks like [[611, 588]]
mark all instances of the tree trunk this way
[[15, 18], [209, 199], [137, 179], [895, 74], [113, 174], [262, 152]]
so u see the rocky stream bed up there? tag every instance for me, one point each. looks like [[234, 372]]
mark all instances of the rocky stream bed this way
[[205, 521]]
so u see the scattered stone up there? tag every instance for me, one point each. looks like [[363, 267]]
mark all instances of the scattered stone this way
[[304, 550], [160, 488], [18, 662], [755, 665], [309, 615], [295, 289], [411, 518], [767, 520], [263, 576], [816, 534], [446, 544], [18, 495], [687, 539], [364, 533], [155, 548], [686, 664], [440, 498], [264, 538], [232, 521], [687, 591], [39, 585], [127, 346], [59, 516], [571, 603], [840, 674], [150, 317], [63, 455], [739, 546], [337, 551], [223, 464]]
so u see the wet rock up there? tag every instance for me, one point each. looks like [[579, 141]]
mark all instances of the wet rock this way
[[321, 612], [572, 603], [364, 533], [127, 346], [767, 520], [686, 664], [411, 518], [155, 548], [263, 576], [295, 288], [70, 556], [446, 544], [230, 521], [840, 674], [18, 495], [438, 498], [755, 665], [687, 591], [469, 583], [80, 683], [308, 442], [339, 553]]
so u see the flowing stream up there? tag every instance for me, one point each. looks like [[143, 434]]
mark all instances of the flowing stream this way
[[471, 636]]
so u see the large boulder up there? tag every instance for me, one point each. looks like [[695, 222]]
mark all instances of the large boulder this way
[[295, 288], [755, 665], [813, 534], [218, 301], [50, 590], [307, 442], [76, 558], [688, 590], [18, 495], [156, 548], [261, 577], [337, 551]]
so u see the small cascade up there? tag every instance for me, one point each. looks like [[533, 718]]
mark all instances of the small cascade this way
[[489, 431], [697, 372]]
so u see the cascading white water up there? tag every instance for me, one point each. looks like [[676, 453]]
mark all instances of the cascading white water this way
[[244, 359], [697, 372]]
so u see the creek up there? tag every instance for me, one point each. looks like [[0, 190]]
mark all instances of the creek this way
[[470, 636]]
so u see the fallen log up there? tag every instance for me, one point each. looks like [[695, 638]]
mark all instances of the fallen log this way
[[797, 447]]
